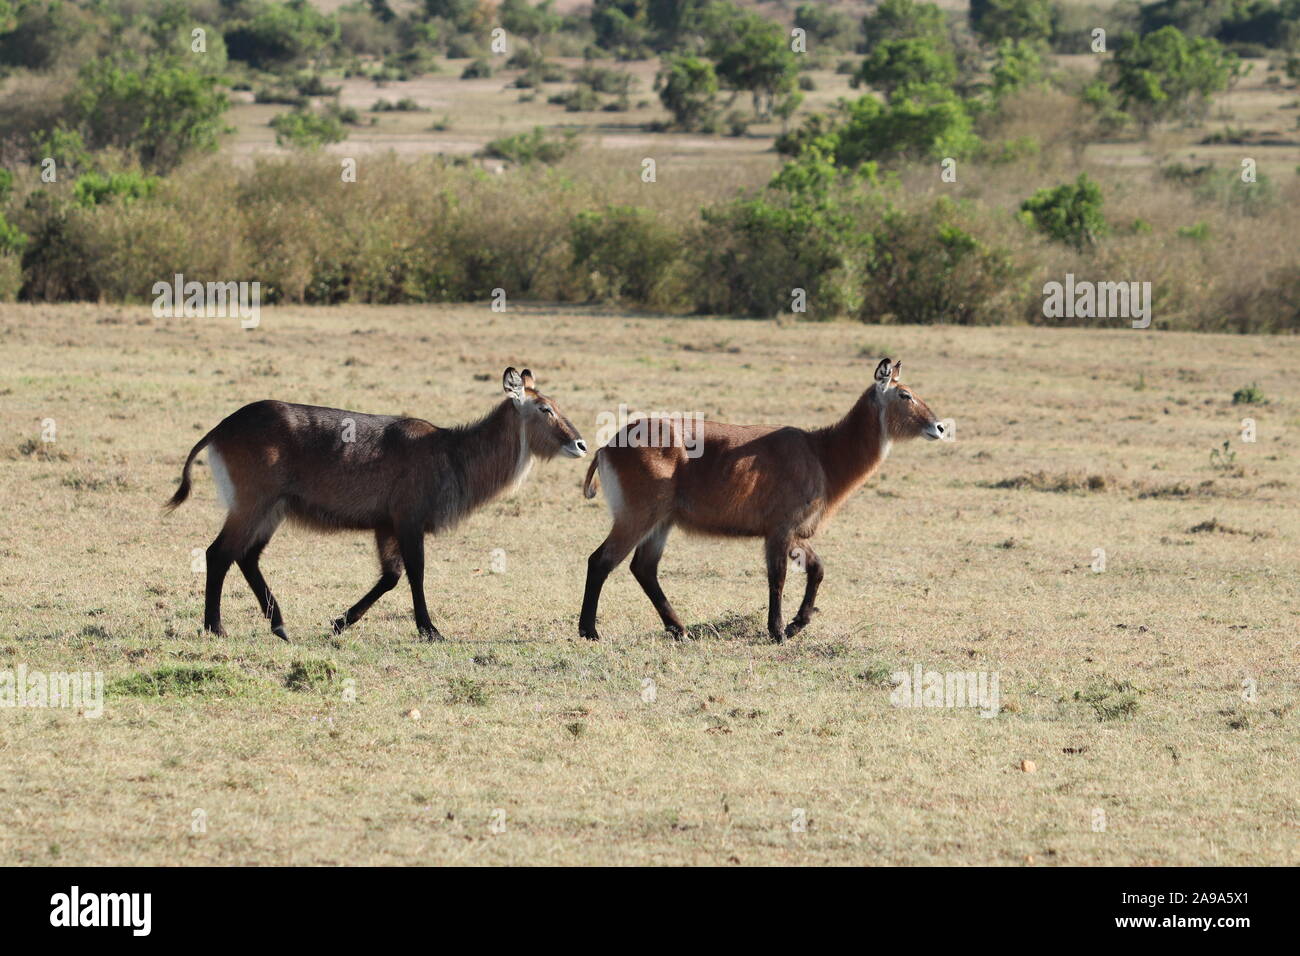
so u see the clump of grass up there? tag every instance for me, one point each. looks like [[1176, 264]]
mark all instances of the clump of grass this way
[[1110, 699], [1065, 482], [466, 690], [40, 450], [877, 674], [1213, 525], [84, 482], [733, 627], [187, 680], [311, 675], [1250, 395]]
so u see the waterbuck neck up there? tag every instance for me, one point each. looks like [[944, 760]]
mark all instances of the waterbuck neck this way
[[492, 454], [853, 448]]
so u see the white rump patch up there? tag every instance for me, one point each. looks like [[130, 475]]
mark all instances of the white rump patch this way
[[610, 487], [225, 487]]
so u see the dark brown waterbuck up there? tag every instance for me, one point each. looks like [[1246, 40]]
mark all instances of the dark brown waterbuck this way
[[334, 470], [777, 483]]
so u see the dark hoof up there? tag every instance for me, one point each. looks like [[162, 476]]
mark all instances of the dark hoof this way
[[676, 631], [794, 627], [279, 632], [431, 634], [778, 637], [339, 625], [215, 630], [589, 633]]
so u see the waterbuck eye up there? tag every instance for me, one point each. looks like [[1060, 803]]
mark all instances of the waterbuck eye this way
[[548, 410], [905, 396]]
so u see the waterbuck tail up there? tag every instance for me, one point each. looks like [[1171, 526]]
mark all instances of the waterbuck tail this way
[[592, 479], [183, 491]]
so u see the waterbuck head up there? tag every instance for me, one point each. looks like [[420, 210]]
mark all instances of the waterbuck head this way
[[546, 430], [903, 414]]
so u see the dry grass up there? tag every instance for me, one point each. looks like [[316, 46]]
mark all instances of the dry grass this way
[[1115, 684]]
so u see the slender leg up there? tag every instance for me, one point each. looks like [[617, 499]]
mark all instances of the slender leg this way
[[645, 568], [411, 542], [622, 539], [390, 567], [219, 559], [265, 599], [813, 565], [776, 550]]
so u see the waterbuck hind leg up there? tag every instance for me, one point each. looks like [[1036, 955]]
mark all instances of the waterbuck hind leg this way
[[776, 550], [411, 542], [248, 564], [812, 564], [390, 567], [623, 537], [645, 568]]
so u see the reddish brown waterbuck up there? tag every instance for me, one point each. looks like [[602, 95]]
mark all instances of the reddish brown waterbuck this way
[[779, 484], [335, 470]]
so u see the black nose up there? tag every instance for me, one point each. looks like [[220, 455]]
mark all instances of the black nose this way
[[939, 426], [581, 445]]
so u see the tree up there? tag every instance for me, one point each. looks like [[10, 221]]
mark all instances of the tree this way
[[280, 34], [1166, 74], [897, 63], [998, 20], [756, 58], [904, 20], [825, 27], [528, 21], [687, 86], [160, 113], [619, 24]]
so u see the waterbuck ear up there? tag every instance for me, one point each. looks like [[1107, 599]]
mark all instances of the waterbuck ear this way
[[528, 379], [513, 384], [885, 373]]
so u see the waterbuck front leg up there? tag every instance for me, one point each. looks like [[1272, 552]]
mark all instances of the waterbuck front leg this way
[[390, 568], [623, 537], [411, 544], [219, 558], [776, 550], [807, 558], [645, 568]]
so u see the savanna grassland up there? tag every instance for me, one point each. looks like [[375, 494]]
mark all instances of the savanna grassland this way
[[1124, 687]]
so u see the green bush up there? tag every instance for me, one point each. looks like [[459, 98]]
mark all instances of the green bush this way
[[1070, 213], [94, 189], [532, 147], [622, 252], [924, 122], [927, 267], [307, 129]]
